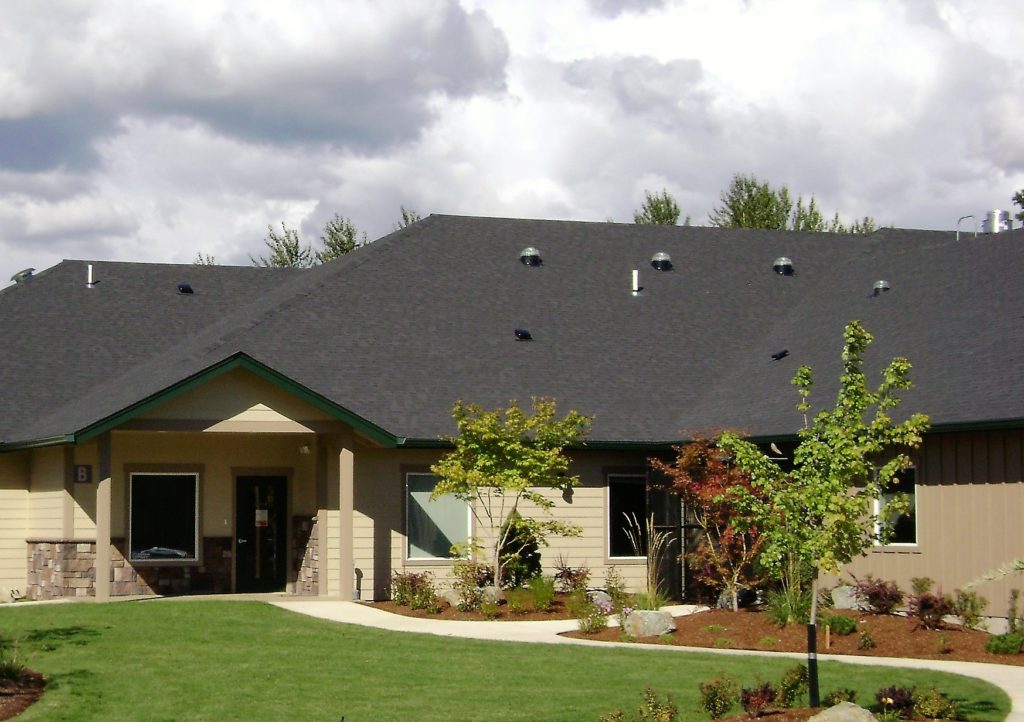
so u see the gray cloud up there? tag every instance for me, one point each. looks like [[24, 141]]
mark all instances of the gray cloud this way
[[614, 8]]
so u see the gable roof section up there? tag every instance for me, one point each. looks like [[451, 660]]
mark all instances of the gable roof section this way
[[393, 333]]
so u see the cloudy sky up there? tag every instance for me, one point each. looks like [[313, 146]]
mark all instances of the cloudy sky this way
[[151, 131]]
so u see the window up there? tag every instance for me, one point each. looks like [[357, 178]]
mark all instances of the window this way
[[164, 517], [433, 526], [627, 514], [904, 526]]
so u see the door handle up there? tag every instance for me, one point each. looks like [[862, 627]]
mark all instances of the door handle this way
[[242, 541]]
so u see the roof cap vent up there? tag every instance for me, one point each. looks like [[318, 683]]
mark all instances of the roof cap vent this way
[[523, 335], [881, 287], [996, 222], [783, 266], [185, 289], [530, 256], [661, 261], [23, 275]]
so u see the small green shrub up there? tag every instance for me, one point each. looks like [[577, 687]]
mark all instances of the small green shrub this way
[[841, 625], [470, 579], [591, 614], [1009, 643], [865, 641], [518, 600], [768, 641], [718, 695], [942, 645], [933, 704], [489, 608], [922, 585], [1012, 618], [754, 700], [898, 700], [724, 643], [413, 590], [878, 596], [714, 628], [792, 685], [788, 606], [888, 716], [843, 694], [643, 600], [969, 606], [542, 589], [520, 554], [615, 588], [651, 709], [10, 667]]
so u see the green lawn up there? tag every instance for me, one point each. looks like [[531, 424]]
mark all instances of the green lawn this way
[[223, 660]]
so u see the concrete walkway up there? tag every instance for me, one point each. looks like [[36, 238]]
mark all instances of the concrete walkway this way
[[1009, 678]]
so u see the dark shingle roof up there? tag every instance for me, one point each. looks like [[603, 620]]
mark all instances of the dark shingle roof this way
[[397, 330]]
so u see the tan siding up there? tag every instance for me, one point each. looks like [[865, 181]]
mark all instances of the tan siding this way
[[970, 500], [46, 502], [14, 513]]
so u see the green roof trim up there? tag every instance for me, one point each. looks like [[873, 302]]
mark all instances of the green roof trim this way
[[38, 443], [237, 361]]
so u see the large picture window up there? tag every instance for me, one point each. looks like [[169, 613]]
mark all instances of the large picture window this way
[[627, 513], [904, 526], [433, 526], [164, 516]]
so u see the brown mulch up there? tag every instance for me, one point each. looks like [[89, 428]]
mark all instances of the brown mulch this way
[[894, 636], [17, 695], [504, 614]]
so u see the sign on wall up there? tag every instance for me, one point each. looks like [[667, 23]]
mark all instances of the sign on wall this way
[[83, 473]]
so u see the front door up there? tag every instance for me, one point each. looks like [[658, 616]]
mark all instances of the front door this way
[[261, 527]]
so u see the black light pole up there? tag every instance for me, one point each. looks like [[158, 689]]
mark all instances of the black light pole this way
[[812, 647]]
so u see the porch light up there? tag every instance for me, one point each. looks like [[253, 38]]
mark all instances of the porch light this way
[[783, 266], [530, 257], [304, 449], [661, 261]]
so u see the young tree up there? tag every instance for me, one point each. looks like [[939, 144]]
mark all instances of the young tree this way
[[1018, 200], [204, 259], [504, 457], [286, 250], [340, 236], [821, 514], [409, 217], [659, 209], [706, 480]]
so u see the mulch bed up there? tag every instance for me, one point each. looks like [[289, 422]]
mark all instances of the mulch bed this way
[[17, 695], [894, 636]]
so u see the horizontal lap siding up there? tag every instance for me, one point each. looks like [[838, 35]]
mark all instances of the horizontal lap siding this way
[[970, 499], [14, 512], [46, 502]]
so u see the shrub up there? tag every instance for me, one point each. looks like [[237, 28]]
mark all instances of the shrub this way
[[792, 685], [470, 579], [843, 694], [651, 709], [969, 606], [615, 587], [413, 590], [517, 600], [1009, 643], [755, 700], [788, 605], [718, 695], [592, 614], [866, 641], [520, 554], [899, 700], [542, 589], [929, 609], [768, 641], [489, 608], [879, 597], [10, 667], [645, 600], [921, 585], [933, 704], [569, 578], [840, 624], [825, 600], [1012, 620]]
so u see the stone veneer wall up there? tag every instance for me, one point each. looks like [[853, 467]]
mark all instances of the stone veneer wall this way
[[59, 568], [306, 555]]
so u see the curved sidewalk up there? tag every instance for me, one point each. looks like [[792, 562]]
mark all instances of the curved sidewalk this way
[[1009, 678]]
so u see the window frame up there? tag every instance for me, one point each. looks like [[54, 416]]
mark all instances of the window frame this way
[[879, 507], [406, 474], [196, 473], [640, 478]]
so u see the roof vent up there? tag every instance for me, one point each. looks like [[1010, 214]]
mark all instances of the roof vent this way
[[661, 261], [523, 335], [880, 287], [185, 289], [23, 275], [779, 355], [530, 256], [996, 222], [783, 266]]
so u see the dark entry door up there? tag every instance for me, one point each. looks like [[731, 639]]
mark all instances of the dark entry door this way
[[261, 526]]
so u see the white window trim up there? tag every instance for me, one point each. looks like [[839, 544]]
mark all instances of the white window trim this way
[[469, 523], [608, 514], [878, 518], [195, 524]]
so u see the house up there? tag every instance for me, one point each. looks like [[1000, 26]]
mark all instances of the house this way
[[173, 429]]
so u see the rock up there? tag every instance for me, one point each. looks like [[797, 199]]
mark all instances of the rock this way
[[452, 597], [844, 712], [648, 623], [744, 598], [599, 595], [493, 595], [844, 598]]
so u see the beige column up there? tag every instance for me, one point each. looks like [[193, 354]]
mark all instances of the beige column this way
[[102, 563], [68, 506], [346, 485]]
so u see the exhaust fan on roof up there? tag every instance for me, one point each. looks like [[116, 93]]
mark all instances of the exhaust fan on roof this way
[[530, 257], [880, 287], [783, 266], [185, 288], [779, 355], [661, 261], [523, 335], [23, 275]]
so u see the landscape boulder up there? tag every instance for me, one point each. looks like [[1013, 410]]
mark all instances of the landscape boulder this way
[[844, 712], [648, 623]]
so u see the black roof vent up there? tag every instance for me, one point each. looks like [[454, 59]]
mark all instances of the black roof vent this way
[[530, 256], [661, 261], [779, 355], [783, 266], [523, 335], [23, 275], [185, 288], [880, 287]]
